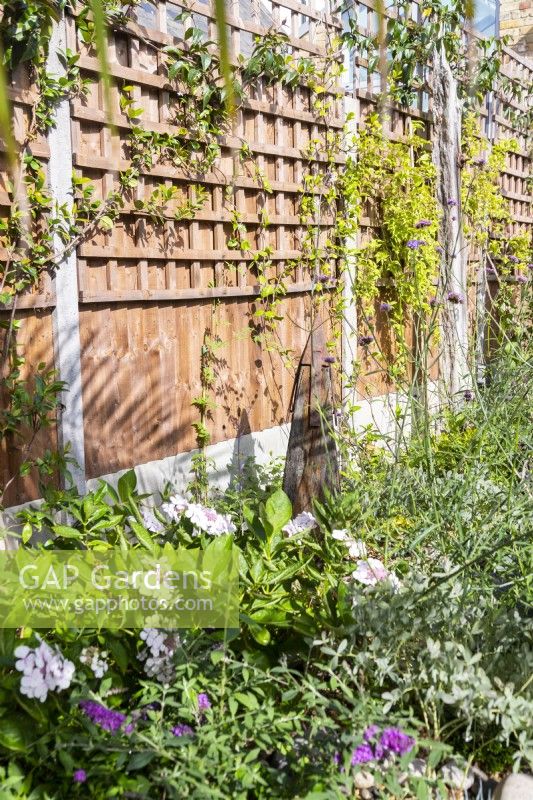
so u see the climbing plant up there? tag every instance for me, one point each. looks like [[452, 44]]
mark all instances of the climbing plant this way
[[410, 44], [393, 184], [486, 220]]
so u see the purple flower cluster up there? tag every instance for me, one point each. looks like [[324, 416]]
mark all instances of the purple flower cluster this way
[[362, 754], [364, 341], [203, 701], [455, 297], [391, 742], [452, 202], [423, 223], [329, 360], [468, 395], [386, 307], [80, 776], [105, 718], [514, 259], [414, 244], [182, 730], [521, 278]]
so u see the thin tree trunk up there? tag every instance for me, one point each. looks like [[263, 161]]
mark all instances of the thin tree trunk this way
[[446, 140]]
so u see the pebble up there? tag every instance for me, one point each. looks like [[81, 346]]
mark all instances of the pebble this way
[[363, 780], [515, 787], [454, 776]]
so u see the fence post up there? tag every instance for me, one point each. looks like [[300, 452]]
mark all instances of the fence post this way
[[67, 348]]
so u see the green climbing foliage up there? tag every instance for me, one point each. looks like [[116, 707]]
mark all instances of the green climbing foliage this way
[[392, 183], [487, 218]]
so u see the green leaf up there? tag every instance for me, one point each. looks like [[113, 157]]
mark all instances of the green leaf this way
[[277, 512], [27, 531], [66, 532], [140, 760], [127, 484], [119, 653], [16, 732], [247, 700], [144, 537]]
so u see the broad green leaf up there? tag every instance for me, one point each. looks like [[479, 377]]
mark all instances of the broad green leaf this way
[[143, 537], [16, 732], [66, 532], [127, 484], [277, 512]]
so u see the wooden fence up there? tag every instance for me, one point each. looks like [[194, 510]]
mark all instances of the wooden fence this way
[[148, 292]]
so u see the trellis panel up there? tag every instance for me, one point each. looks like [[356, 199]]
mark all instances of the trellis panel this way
[[147, 291]]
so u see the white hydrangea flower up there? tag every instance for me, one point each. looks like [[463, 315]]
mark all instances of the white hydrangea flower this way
[[96, 660], [371, 571], [158, 655], [44, 669], [195, 512], [175, 507], [356, 547], [303, 522], [209, 520], [341, 534], [150, 521]]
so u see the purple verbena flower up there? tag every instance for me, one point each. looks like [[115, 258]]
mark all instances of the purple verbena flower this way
[[370, 733], [386, 307], [439, 249], [529, 266], [455, 297], [80, 776], [323, 278], [362, 754], [363, 341], [182, 730], [394, 740], [203, 702], [414, 244], [329, 360], [480, 162], [451, 202], [423, 223], [521, 278], [105, 718], [514, 260]]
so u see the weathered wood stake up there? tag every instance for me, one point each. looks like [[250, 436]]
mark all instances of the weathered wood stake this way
[[312, 460]]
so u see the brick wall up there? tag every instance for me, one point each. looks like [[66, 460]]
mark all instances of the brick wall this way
[[516, 21]]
